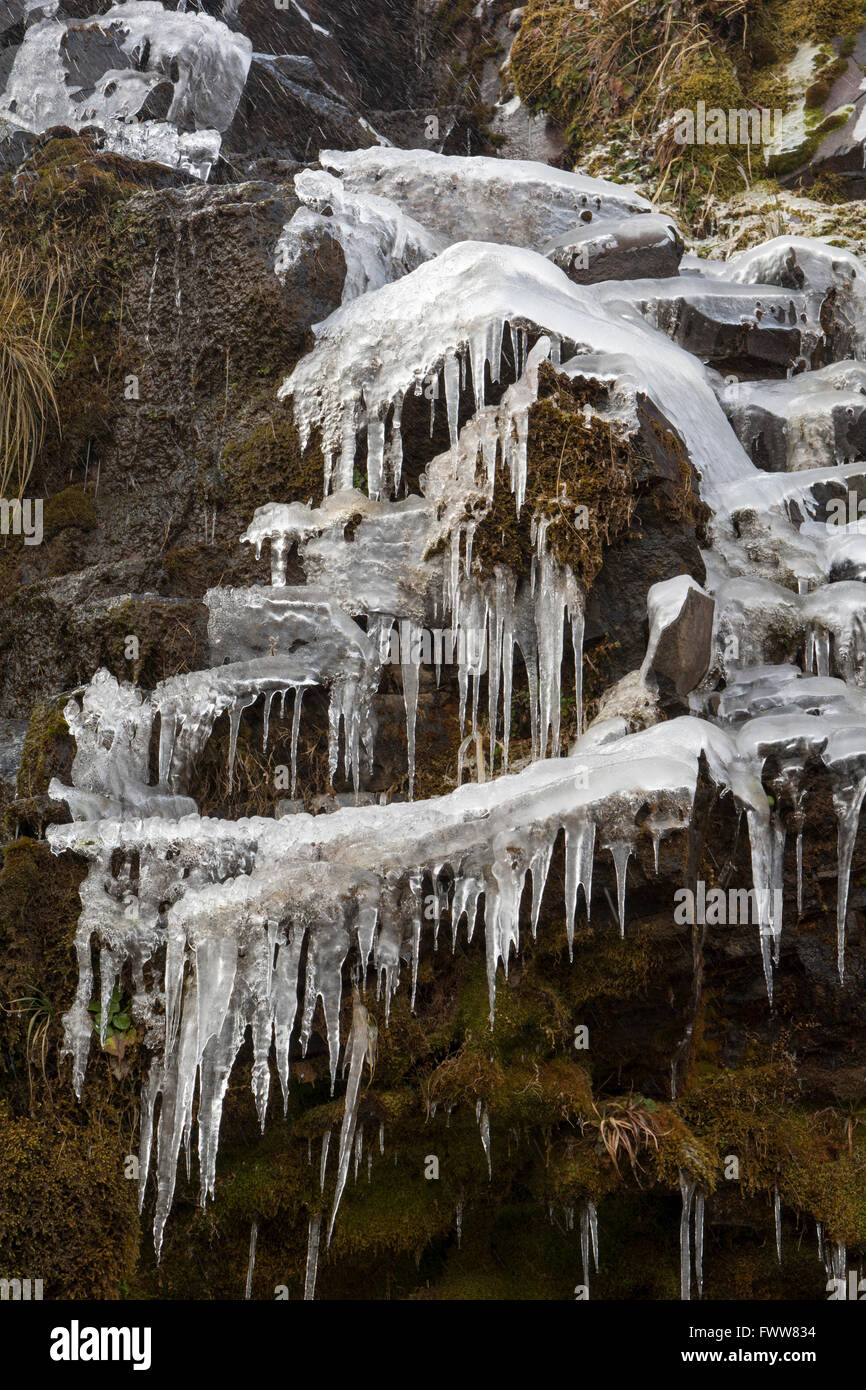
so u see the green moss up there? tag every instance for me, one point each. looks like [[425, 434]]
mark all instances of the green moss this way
[[818, 129], [69, 1215], [47, 750], [264, 463]]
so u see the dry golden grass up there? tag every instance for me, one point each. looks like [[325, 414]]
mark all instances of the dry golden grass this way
[[30, 308]]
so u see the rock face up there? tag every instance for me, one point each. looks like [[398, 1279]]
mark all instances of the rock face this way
[[503, 511]]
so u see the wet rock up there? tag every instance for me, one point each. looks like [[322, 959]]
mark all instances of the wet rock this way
[[724, 321], [807, 421], [681, 634], [12, 735], [629, 248]]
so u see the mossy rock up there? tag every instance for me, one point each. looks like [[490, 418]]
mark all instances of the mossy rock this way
[[73, 507]]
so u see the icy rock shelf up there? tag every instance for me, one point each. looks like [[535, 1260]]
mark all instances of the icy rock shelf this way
[[208, 921]]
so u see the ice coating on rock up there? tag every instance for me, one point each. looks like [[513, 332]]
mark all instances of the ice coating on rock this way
[[716, 319], [380, 243], [618, 248], [459, 308], [102, 71], [515, 202], [796, 262], [372, 352], [807, 420], [665, 603]]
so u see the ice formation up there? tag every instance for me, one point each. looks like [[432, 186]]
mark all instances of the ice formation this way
[[515, 202], [807, 420], [380, 243], [225, 928], [161, 84]]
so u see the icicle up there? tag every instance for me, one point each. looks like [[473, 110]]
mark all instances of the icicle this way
[[326, 1140], [579, 855], [687, 1190], [254, 1235], [484, 1123], [451, 373], [359, 1149], [382, 1138], [312, 1257], [235, 713], [459, 1223], [416, 884], [375, 457], [621, 851], [539, 867], [700, 1202], [360, 1047], [777, 1217], [279, 553], [847, 801], [411, 670], [269, 699], [819, 1227], [296, 724]]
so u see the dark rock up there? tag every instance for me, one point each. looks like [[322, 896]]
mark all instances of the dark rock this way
[[681, 635], [616, 248]]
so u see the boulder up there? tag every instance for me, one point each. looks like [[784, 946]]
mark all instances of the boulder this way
[[681, 634], [618, 248]]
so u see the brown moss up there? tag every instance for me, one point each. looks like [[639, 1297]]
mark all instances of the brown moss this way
[[574, 462], [69, 1215], [73, 507]]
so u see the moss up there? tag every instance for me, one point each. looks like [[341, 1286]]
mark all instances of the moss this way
[[586, 477], [48, 748], [73, 507], [170, 636], [829, 188], [70, 1216], [262, 463], [799, 21], [822, 126], [575, 463]]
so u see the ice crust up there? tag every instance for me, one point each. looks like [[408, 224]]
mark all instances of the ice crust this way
[[143, 41], [520, 203], [809, 419]]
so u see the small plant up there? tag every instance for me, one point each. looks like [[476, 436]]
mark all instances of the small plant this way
[[627, 1126], [39, 1010], [118, 1022]]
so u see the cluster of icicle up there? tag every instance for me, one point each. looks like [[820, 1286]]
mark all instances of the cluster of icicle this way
[[229, 928]]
